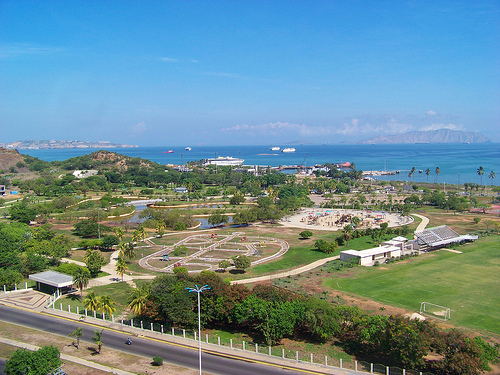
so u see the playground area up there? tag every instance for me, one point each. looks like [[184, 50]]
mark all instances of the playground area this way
[[337, 219], [205, 251]]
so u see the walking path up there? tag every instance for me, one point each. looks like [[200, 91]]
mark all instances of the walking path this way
[[295, 271], [423, 224]]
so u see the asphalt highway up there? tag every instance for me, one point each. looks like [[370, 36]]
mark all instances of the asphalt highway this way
[[147, 347]]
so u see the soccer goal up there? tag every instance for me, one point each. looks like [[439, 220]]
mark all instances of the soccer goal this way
[[435, 311]]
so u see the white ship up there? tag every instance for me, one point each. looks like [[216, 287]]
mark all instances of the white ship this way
[[275, 148], [188, 148], [228, 160], [288, 149]]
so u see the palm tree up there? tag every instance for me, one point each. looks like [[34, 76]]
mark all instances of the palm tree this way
[[139, 299], [492, 176], [347, 233], [427, 172], [106, 304], [119, 232], [121, 267], [412, 171], [81, 279], [129, 251], [121, 246], [97, 339], [77, 333], [480, 172], [91, 302], [438, 171]]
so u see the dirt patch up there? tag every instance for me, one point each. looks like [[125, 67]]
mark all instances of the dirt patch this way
[[107, 357]]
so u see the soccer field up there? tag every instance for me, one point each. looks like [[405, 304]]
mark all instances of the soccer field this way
[[468, 283]]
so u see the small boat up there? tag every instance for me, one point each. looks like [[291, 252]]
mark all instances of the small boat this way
[[168, 152], [188, 148], [288, 149], [275, 148]]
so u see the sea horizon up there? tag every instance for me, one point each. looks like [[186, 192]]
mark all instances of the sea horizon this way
[[458, 163]]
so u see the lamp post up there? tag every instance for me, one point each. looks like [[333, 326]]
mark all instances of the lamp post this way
[[199, 290]]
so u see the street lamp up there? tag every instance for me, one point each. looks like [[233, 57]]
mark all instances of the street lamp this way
[[199, 290]]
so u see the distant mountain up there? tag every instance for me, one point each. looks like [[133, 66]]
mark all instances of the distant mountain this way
[[431, 136], [46, 145]]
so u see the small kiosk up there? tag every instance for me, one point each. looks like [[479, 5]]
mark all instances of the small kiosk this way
[[53, 282]]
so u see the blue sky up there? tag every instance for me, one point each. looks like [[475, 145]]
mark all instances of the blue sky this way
[[156, 73]]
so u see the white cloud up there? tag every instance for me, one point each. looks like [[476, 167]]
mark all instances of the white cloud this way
[[395, 127], [139, 128], [279, 128], [443, 126], [26, 49], [168, 59], [431, 113]]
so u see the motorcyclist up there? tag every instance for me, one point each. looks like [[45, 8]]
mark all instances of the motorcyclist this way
[[129, 341]]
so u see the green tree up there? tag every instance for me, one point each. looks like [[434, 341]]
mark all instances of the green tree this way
[[242, 262], [109, 241], [237, 198], [94, 261], [325, 247], [77, 333], [438, 171], [306, 234], [81, 279], [97, 339], [42, 362], [217, 218], [22, 212], [224, 264]]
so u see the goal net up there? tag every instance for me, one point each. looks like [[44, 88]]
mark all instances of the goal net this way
[[435, 311]]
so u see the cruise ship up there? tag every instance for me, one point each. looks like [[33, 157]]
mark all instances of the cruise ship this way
[[288, 149], [224, 161], [275, 148]]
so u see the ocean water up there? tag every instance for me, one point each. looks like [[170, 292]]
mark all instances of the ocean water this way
[[458, 163]]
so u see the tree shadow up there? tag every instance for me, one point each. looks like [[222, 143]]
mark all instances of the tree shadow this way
[[92, 350], [237, 272]]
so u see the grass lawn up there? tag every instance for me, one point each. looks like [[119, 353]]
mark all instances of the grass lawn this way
[[467, 283], [119, 292]]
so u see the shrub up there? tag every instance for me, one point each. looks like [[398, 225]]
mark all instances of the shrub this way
[[157, 360]]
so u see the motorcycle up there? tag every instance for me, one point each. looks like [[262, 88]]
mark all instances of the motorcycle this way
[[128, 342]]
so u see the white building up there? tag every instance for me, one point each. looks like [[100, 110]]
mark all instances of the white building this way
[[224, 161], [394, 248]]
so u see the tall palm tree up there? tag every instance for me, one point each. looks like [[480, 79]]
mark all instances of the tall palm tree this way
[[97, 339], [412, 171], [81, 279], [91, 301], [129, 251], [492, 176], [121, 267], [106, 304], [139, 299], [480, 172], [438, 171], [121, 246], [427, 172]]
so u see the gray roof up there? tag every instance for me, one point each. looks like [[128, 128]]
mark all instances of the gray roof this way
[[53, 278]]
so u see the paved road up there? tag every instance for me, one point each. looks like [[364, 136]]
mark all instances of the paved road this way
[[147, 347]]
